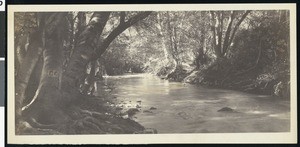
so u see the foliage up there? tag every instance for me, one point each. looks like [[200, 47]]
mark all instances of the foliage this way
[[258, 60]]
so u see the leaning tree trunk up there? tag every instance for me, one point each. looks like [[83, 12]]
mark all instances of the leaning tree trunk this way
[[83, 53], [86, 51]]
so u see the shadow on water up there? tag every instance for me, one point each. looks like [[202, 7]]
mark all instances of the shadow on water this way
[[174, 107]]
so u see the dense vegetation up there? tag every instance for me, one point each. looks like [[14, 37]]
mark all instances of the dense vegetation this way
[[60, 56]]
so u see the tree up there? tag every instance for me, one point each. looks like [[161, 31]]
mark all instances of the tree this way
[[58, 88], [222, 35]]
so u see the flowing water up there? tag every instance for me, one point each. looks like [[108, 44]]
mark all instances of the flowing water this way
[[184, 108]]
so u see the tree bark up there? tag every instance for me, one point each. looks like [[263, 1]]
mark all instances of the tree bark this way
[[90, 79], [43, 107], [213, 29], [26, 68], [228, 31], [235, 29], [161, 34], [220, 31], [83, 54]]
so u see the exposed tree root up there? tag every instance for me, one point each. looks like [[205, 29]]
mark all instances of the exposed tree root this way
[[98, 119]]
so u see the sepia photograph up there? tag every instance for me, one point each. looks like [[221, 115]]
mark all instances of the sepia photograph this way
[[131, 71]]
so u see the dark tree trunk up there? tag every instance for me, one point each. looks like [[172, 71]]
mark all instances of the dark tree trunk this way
[[43, 107], [27, 65], [90, 79], [33, 81], [83, 54]]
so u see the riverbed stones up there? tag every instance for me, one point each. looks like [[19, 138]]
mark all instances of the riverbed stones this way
[[226, 109], [150, 131], [184, 115], [147, 111], [132, 111], [152, 108]]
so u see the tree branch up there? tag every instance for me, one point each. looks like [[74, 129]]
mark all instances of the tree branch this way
[[228, 31], [220, 29], [118, 30], [236, 27], [122, 18]]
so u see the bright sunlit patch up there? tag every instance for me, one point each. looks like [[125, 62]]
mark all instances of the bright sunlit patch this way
[[257, 112], [127, 76], [280, 115], [217, 118]]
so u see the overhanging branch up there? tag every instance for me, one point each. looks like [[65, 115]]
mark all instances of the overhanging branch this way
[[119, 29]]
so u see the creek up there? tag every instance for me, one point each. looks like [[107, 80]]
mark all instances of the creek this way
[[175, 107]]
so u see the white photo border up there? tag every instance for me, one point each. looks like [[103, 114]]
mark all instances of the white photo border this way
[[285, 137]]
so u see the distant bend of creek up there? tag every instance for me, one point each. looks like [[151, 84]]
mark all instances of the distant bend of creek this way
[[175, 107]]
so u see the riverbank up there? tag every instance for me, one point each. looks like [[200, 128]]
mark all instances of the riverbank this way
[[89, 115], [226, 75]]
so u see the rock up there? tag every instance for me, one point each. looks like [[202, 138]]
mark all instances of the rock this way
[[147, 111], [282, 89], [147, 131], [184, 115], [150, 131], [152, 108], [132, 111], [138, 106], [226, 109]]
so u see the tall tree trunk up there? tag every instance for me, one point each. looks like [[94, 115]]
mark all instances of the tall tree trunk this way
[[21, 48], [228, 31], [236, 28], [161, 34], [47, 99], [213, 30], [26, 68], [33, 81], [200, 58], [79, 26]]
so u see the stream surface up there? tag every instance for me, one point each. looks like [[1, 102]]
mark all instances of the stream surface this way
[[185, 108]]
